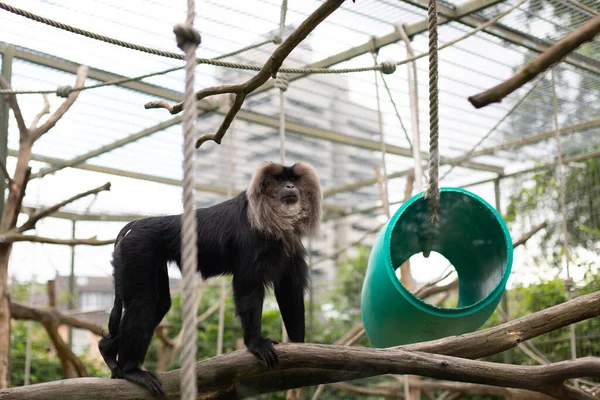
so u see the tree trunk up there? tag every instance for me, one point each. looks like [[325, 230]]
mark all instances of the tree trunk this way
[[4, 317]]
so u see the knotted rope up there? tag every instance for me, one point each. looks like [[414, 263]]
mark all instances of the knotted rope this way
[[187, 40], [433, 188]]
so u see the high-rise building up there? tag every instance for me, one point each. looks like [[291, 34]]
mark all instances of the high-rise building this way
[[319, 101]]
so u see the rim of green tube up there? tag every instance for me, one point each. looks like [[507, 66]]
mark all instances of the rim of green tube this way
[[444, 311]]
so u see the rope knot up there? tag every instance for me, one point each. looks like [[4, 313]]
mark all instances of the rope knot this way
[[277, 40], [388, 67], [569, 283], [185, 34], [64, 91], [281, 82]]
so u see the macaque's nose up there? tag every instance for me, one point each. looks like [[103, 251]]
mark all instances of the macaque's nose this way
[[289, 186]]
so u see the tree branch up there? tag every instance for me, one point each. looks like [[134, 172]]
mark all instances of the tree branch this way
[[14, 104], [553, 55], [44, 111], [36, 133], [13, 236], [33, 219], [311, 364], [5, 173], [465, 389], [269, 70], [51, 319], [23, 312]]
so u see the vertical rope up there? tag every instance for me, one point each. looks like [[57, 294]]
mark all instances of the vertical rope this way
[[187, 40], [382, 146], [433, 188], [563, 209]]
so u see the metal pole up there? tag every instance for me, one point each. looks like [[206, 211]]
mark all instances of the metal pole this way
[[72, 283], [6, 72]]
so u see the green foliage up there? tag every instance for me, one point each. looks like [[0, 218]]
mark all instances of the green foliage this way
[[582, 199]]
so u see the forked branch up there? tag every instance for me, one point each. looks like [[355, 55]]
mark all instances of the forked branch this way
[[44, 111], [44, 212], [269, 70], [37, 132], [547, 59]]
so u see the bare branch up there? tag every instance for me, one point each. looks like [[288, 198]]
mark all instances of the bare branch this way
[[311, 364], [64, 107], [5, 173], [13, 236], [523, 239], [542, 62], [33, 219], [20, 191], [51, 319], [14, 104], [466, 389], [269, 70], [38, 117], [23, 312]]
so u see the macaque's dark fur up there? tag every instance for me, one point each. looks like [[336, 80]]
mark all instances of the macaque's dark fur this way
[[255, 236]]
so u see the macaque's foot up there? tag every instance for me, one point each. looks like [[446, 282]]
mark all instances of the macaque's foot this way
[[146, 379], [263, 349]]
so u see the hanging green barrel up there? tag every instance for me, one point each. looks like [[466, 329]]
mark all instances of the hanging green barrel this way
[[471, 235]]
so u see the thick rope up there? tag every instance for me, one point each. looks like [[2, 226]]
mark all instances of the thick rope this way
[[433, 188], [64, 91], [384, 67], [187, 40]]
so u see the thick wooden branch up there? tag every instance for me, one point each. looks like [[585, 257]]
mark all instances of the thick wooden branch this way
[[28, 313], [14, 104], [5, 173], [33, 219], [311, 364], [36, 133], [542, 62], [465, 389], [13, 236], [269, 70], [51, 319], [45, 110], [20, 187]]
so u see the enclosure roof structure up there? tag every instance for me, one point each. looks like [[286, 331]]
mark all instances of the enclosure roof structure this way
[[110, 132]]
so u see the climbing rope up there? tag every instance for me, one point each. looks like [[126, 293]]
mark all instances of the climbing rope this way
[[188, 40], [385, 67], [563, 209], [65, 91], [433, 189]]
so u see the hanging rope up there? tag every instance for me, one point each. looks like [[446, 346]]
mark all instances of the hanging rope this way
[[187, 40], [384, 177], [384, 67], [563, 209], [433, 188]]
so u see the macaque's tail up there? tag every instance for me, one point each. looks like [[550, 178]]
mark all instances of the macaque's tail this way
[[115, 317]]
